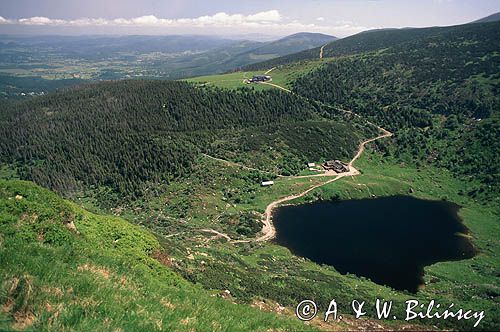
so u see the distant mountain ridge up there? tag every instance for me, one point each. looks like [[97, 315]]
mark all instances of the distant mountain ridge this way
[[242, 53], [304, 40], [98, 47], [281, 47], [366, 41], [491, 18], [121, 57]]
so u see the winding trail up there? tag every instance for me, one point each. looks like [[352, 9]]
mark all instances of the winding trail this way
[[321, 51], [270, 70], [276, 86], [230, 163], [268, 229]]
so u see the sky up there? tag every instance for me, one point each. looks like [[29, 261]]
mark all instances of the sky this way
[[340, 18]]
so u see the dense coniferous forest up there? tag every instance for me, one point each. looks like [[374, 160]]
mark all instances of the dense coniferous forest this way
[[187, 162], [369, 41], [431, 90], [124, 135], [32, 65], [432, 86]]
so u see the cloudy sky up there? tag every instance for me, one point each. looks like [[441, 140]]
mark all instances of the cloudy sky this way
[[232, 17]]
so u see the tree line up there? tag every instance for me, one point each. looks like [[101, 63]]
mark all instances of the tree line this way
[[439, 93], [125, 135]]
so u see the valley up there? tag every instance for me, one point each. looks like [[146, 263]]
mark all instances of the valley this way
[[55, 62], [148, 195]]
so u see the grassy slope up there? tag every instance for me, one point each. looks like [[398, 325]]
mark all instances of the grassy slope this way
[[469, 283], [255, 272], [269, 271], [282, 76], [103, 278]]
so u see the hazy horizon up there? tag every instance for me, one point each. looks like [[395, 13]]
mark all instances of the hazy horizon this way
[[262, 19]]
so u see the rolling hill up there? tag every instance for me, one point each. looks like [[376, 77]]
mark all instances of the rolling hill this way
[[173, 172], [303, 40], [281, 47], [104, 274], [367, 41], [128, 135], [491, 18], [57, 61]]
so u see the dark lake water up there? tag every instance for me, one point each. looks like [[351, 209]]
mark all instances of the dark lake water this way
[[388, 240]]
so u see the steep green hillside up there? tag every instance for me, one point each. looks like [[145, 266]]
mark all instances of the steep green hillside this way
[[34, 65], [127, 136], [369, 41], [438, 93], [491, 18], [65, 268], [282, 47]]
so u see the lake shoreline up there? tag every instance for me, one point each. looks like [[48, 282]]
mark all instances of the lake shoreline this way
[[387, 243]]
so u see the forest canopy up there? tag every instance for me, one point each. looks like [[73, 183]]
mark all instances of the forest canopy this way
[[124, 135]]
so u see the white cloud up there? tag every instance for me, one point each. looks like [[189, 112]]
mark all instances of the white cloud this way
[[146, 20], [269, 16], [4, 20], [265, 21], [40, 20], [218, 19]]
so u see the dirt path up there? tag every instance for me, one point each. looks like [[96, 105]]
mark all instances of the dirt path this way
[[321, 51], [276, 86], [217, 234], [270, 70], [230, 163], [268, 230]]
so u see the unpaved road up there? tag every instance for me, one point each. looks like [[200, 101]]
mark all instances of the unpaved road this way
[[268, 230], [321, 51], [230, 163], [276, 86], [217, 234], [270, 70]]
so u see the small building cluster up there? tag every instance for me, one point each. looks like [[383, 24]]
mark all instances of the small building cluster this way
[[336, 165], [259, 78]]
